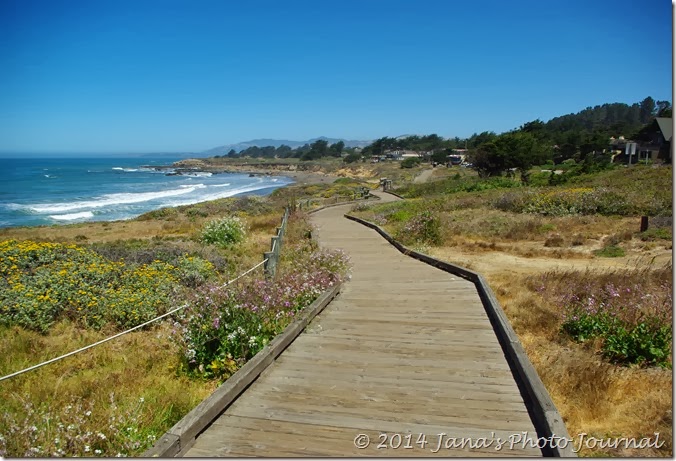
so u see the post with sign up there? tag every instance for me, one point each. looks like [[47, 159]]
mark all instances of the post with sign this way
[[630, 150]]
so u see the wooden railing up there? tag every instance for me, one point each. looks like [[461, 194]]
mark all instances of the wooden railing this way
[[271, 258]]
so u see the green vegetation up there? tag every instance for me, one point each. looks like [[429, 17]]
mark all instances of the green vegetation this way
[[224, 232], [43, 283], [410, 162], [610, 251], [614, 308], [225, 327]]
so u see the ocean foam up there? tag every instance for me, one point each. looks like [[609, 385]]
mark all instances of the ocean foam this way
[[126, 170], [73, 216], [219, 195], [107, 200]]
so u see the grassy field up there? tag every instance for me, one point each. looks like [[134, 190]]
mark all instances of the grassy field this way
[[65, 287], [588, 294]]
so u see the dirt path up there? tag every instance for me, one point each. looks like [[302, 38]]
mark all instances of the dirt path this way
[[424, 176], [495, 262]]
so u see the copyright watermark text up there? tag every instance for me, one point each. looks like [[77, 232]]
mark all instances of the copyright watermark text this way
[[522, 440]]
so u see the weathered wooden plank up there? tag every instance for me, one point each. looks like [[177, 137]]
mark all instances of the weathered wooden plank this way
[[304, 382], [321, 414], [293, 439]]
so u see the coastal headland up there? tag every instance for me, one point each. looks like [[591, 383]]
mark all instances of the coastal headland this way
[[303, 174]]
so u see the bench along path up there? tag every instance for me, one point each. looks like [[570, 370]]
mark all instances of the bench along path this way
[[406, 349]]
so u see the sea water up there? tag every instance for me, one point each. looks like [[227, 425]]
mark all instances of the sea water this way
[[45, 191]]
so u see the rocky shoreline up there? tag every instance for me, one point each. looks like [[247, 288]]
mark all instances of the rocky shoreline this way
[[199, 167]]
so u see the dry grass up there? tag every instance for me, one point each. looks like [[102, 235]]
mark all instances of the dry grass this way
[[140, 365], [593, 396]]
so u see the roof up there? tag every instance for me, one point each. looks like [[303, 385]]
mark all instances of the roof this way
[[666, 127]]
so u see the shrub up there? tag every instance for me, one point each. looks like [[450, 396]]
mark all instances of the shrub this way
[[554, 241], [224, 327], [45, 282], [422, 228], [194, 271], [224, 232], [628, 314], [656, 233], [610, 251], [351, 158], [410, 162]]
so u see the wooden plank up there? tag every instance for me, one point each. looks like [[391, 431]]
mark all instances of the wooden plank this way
[[293, 439], [489, 371], [303, 382], [319, 414]]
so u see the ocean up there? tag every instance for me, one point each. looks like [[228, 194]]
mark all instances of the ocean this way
[[47, 191]]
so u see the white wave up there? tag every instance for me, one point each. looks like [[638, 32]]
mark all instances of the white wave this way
[[219, 195], [73, 216], [126, 170], [196, 186], [107, 200], [221, 185]]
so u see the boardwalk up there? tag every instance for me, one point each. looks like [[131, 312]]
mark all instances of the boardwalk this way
[[405, 349]]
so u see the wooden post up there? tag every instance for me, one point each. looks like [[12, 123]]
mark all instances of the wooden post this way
[[644, 223], [269, 265]]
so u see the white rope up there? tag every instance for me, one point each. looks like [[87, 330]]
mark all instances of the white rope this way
[[245, 273], [82, 349]]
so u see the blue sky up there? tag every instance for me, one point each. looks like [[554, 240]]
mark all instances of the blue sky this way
[[185, 76]]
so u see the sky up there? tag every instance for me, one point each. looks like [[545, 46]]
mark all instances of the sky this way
[[122, 76]]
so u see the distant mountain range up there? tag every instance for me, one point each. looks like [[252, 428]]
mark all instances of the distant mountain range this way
[[223, 150]]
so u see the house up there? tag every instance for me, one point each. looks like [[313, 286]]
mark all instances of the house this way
[[653, 144], [400, 154], [456, 157]]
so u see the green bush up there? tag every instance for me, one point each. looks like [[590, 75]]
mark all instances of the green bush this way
[[351, 158], [628, 315], [656, 233], [610, 251], [223, 327], [194, 271], [410, 162], [422, 228], [224, 232]]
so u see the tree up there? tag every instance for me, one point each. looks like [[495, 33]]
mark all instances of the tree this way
[[318, 149], [647, 108], [664, 109], [337, 148], [515, 149], [351, 158]]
